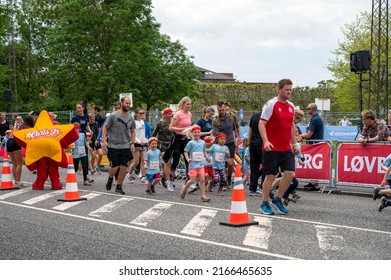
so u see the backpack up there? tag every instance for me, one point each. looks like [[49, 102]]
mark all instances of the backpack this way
[[231, 117]]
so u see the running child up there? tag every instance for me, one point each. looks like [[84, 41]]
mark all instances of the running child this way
[[152, 165], [195, 152], [220, 154]]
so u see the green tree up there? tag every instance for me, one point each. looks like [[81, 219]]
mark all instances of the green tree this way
[[357, 36]]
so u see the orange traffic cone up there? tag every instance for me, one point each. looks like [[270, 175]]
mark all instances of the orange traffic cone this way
[[239, 215], [6, 179], [71, 189]]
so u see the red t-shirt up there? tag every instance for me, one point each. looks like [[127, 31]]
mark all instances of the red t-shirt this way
[[279, 117]]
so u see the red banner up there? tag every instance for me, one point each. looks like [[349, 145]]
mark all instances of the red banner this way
[[317, 162], [361, 165]]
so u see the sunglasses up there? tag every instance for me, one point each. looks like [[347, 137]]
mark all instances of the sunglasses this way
[[142, 113]]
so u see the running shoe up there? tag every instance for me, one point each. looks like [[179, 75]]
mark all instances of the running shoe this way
[[109, 184], [278, 204], [170, 186], [382, 204], [143, 181], [266, 209], [119, 190]]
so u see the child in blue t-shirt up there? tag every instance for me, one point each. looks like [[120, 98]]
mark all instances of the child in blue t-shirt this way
[[195, 152], [80, 154], [152, 165], [220, 154]]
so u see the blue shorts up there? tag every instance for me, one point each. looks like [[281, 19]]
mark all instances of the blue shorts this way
[[151, 177]]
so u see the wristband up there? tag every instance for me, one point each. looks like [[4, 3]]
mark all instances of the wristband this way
[[294, 144]]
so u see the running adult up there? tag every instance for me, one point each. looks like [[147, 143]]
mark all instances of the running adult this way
[[227, 123], [164, 135], [140, 146], [277, 130], [206, 121], [181, 121], [15, 151], [121, 126], [255, 155], [81, 117]]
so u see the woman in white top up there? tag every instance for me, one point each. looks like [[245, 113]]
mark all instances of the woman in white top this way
[[140, 146]]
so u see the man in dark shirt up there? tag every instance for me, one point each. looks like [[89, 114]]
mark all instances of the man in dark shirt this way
[[315, 131], [255, 154]]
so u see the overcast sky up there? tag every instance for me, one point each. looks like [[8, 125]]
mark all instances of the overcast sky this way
[[260, 40]]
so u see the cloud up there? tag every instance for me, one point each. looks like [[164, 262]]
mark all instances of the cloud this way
[[245, 36]]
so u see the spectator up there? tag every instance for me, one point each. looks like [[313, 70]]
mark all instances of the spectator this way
[[314, 132], [374, 130], [344, 121]]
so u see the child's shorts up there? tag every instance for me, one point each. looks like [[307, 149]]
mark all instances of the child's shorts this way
[[196, 171], [151, 177], [208, 170]]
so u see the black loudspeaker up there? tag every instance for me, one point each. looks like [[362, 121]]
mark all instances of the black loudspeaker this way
[[7, 94], [360, 61]]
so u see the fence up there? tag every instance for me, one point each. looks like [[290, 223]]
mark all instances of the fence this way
[[354, 164]]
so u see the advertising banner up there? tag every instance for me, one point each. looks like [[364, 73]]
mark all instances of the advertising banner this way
[[317, 164], [361, 165]]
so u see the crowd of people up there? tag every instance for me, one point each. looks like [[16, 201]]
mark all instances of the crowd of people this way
[[208, 148]]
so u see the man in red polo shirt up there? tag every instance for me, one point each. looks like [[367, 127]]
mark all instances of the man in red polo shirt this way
[[278, 134]]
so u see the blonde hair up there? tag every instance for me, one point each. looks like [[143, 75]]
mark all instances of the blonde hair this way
[[183, 101]]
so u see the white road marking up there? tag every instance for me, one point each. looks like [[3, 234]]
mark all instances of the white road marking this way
[[14, 193], [66, 205], [151, 214], [43, 197], [199, 223], [258, 236], [327, 239], [239, 248], [110, 207]]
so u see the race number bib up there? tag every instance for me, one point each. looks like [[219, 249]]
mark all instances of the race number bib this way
[[154, 165], [81, 150], [220, 157], [197, 156]]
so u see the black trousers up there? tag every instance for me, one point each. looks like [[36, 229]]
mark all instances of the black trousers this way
[[255, 163]]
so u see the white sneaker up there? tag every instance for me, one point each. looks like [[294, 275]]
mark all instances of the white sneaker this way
[[20, 184], [129, 178], [170, 186], [143, 181], [193, 188]]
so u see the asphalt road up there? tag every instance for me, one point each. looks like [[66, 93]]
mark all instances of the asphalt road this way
[[136, 226]]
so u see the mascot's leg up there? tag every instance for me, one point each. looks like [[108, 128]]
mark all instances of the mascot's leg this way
[[54, 175], [41, 174]]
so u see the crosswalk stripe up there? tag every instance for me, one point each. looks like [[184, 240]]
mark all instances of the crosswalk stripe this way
[[43, 197], [258, 236], [66, 205], [13, 193], [198, 224], [110, 207], [328, 240], [151, 214]]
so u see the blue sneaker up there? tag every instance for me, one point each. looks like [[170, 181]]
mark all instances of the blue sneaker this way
[[266, 209], [280, 206]]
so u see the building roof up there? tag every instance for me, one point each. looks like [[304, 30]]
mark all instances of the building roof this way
[[210, 76]]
